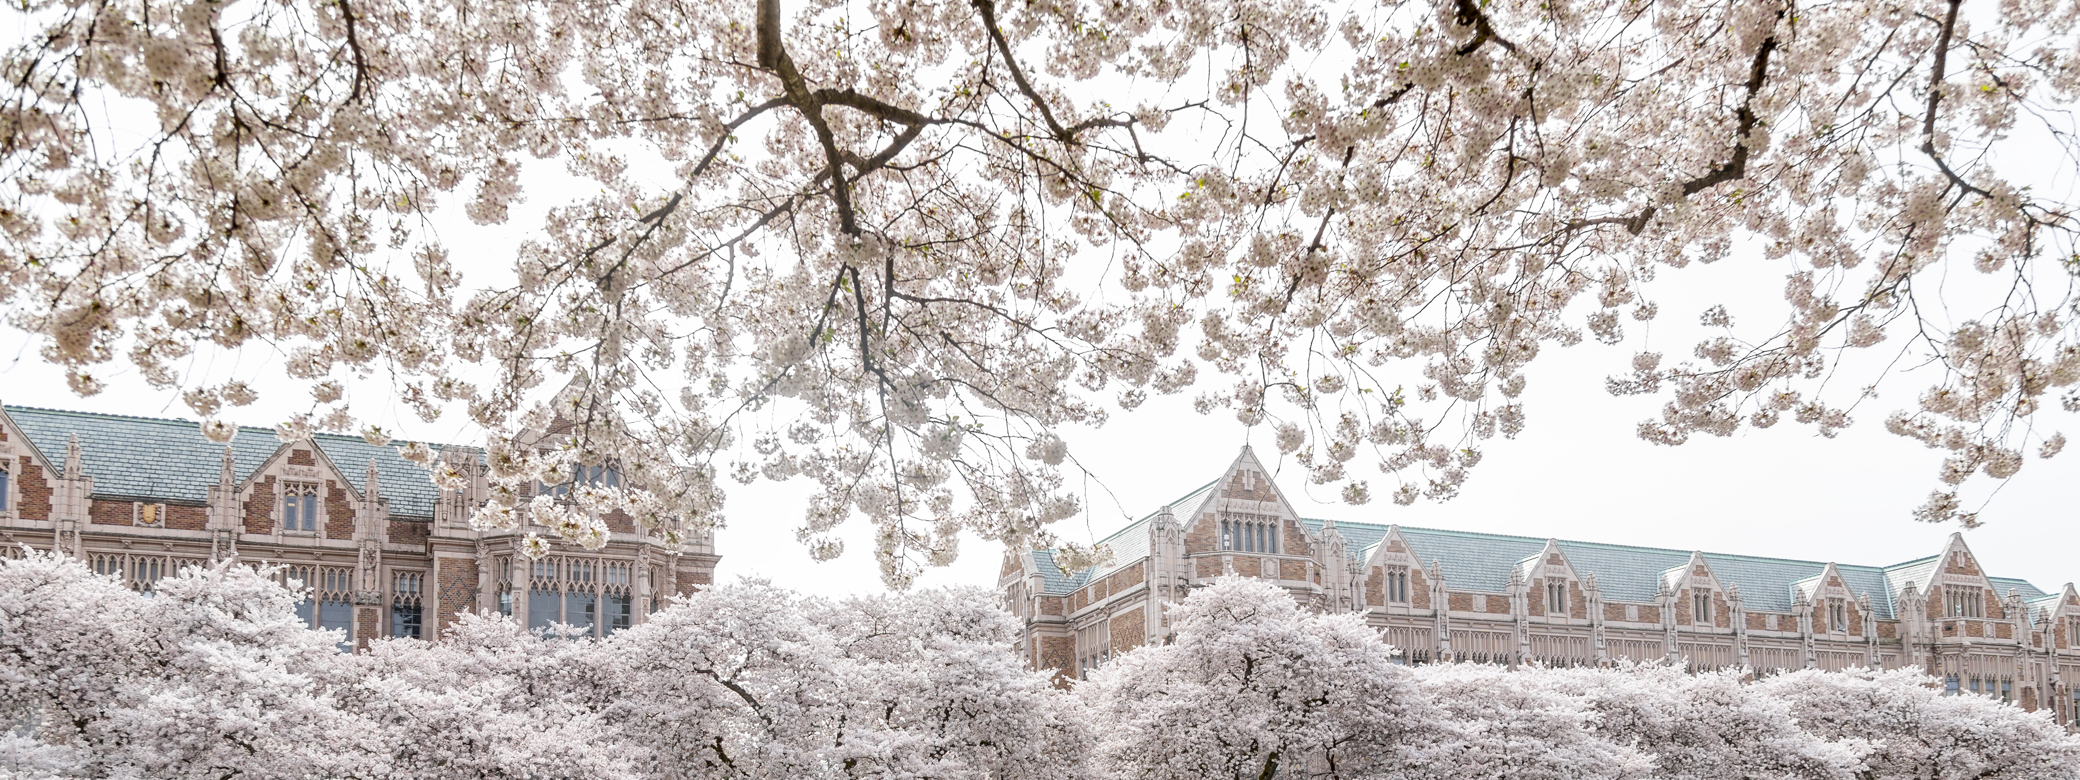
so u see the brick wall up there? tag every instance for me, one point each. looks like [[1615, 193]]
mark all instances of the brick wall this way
[[1757, 621], [408, 531], [1418, 589], [1498, 605], [1375, 587], [1058, 653], [1292, 570], [301, 457], [1129, 630], [456, 580], [187, 518], [1011, 566], [1682, 608], [108, 512], [1578, 600], [1203, 536], [1537, 597], [1294, 541], [1462, 602], [339, 512], [260, 508], [34, 492], [619, 522], [1650, 613], [1888, 630], [1613, 611], [367, 626], [1209, 566], [1052, 605], [1722, 613]]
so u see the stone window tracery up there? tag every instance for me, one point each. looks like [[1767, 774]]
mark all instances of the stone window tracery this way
[[329, 603], [1963, 601], [1556, 596], [1244, 533], [591, 595], [300, 507], [407, 613]]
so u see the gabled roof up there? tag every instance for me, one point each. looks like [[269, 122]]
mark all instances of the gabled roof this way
[[1480, 561], [1129, 545], [169, 460]]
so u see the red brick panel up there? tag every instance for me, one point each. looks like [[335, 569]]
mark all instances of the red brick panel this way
[[1498, 605], [619, 522], [260, 508], [1203, 536], [1418, 590], [408, 531], [1650, 613], [366, 626], [1293, 540], [457, 578], [109, 512], [35, 493], [339, 512], [1292, 570], [1209, 566], [301, 457], [1756, 621], [1538, 597], [1058, 653], [1722, 614], [1577, 601], [1613, 611], [1375, 587], [187, 518], [1129, 630], [1888, 630], [1462, 602]]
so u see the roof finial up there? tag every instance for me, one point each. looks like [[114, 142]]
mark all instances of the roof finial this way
[[373, 489], [227, 472], [73, 469]]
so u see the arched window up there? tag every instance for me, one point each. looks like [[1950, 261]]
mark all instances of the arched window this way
[[299, 507]]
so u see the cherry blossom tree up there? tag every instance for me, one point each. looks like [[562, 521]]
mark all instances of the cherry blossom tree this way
[[935, 233], [1255, 687], [1702, 726], [1914, 731], [1504, 724], [209, 676]]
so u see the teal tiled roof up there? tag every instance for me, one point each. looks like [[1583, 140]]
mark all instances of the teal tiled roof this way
[[169, 460], [1480, 561]]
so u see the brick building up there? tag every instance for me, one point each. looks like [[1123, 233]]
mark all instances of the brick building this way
[[385, 550], [1456, 596]]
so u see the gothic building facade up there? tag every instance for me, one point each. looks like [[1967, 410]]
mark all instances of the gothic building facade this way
[[385, 551], [1441, 596]]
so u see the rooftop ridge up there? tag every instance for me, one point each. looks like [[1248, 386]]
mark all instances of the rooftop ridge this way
[[258, 429], [1617, 546]]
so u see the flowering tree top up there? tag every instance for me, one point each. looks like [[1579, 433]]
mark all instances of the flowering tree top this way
[[934, 233]]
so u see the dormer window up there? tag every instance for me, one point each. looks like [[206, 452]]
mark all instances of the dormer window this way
[[1963, 601], [1556, 596], [299, 507], [1254, 535], [1701, 606], [1397, 584]]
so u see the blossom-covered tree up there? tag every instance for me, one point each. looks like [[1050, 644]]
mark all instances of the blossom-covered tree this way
[[940, 231], [1255, 687], [212, 676], [1914, 731]]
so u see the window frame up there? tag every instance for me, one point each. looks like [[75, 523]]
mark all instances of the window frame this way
[[311, 513], [1556, 587], [595, 586], [6, 487], [1701, 606]]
